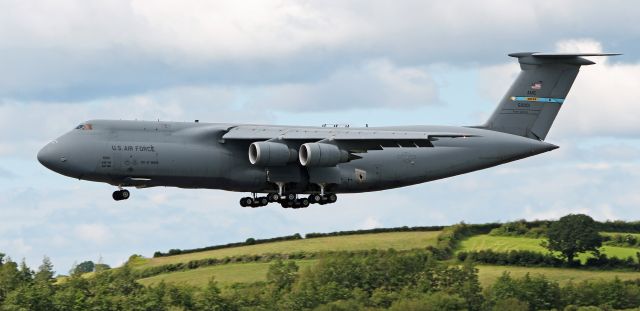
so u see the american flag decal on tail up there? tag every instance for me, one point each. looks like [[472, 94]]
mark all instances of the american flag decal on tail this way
[[536, 85]]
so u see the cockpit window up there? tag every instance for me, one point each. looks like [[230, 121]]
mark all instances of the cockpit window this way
[[84, 126]]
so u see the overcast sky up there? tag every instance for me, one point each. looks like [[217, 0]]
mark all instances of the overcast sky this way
[[308, 63]]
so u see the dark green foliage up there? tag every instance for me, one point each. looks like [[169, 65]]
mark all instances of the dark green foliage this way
[[535, 259], [207, 262], [451, 236], [538, 292], [622, 240], [614, 294], [619, 226], [431, 302], [509, 304], [83, 267], [211, 299], [249, 241], [99, 267], [375, 230], [573, 234], [522, 228], [512, 258], [281, 276], [381, 278]]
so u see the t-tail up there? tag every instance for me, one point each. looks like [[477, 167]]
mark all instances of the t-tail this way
[[533, 101]]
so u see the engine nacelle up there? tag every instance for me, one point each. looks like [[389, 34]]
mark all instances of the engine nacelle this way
[[263, 153], [322, 155]]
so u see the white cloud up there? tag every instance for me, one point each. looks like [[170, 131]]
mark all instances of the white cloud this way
[[95, 233], [370, 223], [97, 48], [18, 246], [376, 83]]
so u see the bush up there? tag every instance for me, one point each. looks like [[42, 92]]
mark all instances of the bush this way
[[535, 259], [451, 236], [534, 229], [375, 230], [434, 302], [249, 241]]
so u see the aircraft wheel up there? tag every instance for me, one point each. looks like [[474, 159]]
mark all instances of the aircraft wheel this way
[[273, 197], [263, 201], [248, 201], [242, 203], [332, 198], [291, 196], [304, 202], [315, 198], [120, 195]]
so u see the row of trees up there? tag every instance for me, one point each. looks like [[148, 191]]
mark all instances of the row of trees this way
[[382, 280], [297, 236]]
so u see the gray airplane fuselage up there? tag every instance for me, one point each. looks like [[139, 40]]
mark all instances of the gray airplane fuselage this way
[[287, 161], [194, 155]]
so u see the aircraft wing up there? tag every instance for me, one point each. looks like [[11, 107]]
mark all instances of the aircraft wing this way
[[351, 139]]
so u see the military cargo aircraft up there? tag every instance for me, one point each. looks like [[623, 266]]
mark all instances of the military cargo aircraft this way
[[301, 165]]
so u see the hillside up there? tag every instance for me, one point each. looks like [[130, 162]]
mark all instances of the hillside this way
[[232, 272], [463, 266], [505, 244], [387, 240]]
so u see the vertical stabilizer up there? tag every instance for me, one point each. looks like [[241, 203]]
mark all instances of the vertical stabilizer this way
[[533, 101]]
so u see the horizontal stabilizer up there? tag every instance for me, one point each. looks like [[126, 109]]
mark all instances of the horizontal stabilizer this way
[[567, 55], [537, 58]]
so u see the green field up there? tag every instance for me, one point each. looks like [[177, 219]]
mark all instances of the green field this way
[[228, 274], [489, 274], [505, 244], [636, 235], [225, 275], [396, 240]]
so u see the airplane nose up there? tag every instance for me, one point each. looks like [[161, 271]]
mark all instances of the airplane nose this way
[[49, 158]]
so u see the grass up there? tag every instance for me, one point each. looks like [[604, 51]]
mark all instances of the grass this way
[[225, 275], [636, 235], [396, 240], [489, 274], [505, 244], [229, 274]]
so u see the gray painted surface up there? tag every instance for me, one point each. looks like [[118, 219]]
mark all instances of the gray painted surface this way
[[216, 156]]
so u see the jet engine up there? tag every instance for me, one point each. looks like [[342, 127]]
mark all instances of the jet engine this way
[[319, 154], [265, 153]]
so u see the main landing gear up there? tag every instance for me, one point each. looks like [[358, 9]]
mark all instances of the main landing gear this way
[[121, 194], [290, 200]]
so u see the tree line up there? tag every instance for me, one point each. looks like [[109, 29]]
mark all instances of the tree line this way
[[297, 236], [379, 280]]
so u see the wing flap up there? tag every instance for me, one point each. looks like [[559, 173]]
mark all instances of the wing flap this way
[[352, 139]]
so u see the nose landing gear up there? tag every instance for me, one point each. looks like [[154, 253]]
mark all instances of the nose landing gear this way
[[120, 195]]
